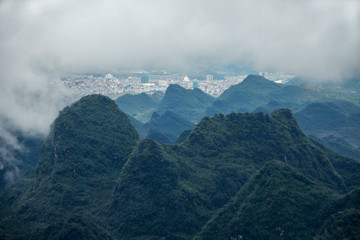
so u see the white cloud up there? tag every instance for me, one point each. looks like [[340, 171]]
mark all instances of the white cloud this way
[[305, 37]]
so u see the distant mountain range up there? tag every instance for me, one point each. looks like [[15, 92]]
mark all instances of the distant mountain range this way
[[331, 121], [235, 176], [335, 124], [190, 104], [164, 128], [140, 106], [256, 91]]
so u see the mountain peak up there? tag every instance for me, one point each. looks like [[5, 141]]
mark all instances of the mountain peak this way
[[191, 104], [285, 115], [139, 106], [246, 96], [278, 134], [83, 134], [253, 82], [174, 86], [253, 77]]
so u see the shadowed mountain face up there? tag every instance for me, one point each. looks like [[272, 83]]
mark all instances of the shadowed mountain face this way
[[335, 124], [253, 175], [169, 124], [168, 116], [79, 163], [276, 203], [260, 138], [165, 128], [190, 104], [279, 203], [85, 133], [140, 106], [256, 91]]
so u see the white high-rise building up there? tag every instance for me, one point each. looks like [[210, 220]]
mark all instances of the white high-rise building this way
[[109, 76], [209, 77], [264, 74]]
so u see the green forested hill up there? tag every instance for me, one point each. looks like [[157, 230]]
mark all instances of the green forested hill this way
[[250, 175], [245, 96], [140, 106], [190, 104], [335, 124], [169, 124], [165, 127], [276, 203], [257, 91], [280, 203], [157, 203], [79, 163]]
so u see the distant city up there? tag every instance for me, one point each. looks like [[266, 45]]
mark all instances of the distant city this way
[[135, 83]]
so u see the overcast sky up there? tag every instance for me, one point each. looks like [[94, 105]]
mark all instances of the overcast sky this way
[[41, 39]]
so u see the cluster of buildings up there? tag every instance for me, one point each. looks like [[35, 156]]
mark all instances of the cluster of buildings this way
[[85, 84]]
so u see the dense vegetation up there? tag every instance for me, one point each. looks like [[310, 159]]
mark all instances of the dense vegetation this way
[[335, 124], [276, 203], [236, 176], [165, 128], [190, 104], [140, 106], [78, 167], [256, 91]]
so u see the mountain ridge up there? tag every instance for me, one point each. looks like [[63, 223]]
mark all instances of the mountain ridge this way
[[190, 104], [101, 181]]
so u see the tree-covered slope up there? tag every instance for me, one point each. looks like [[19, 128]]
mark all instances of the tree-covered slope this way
[[348, 168], [89, 143], [96, 180], [139, 106], [190, 104], [207, 169], [169, 124], [254, 139], [245, 96], [343, 218], [335, 124], [339, 145], [293, 97], [269, 107], [256, 91], [149, 201], [165, 127], [92, 133], [276, 203]]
